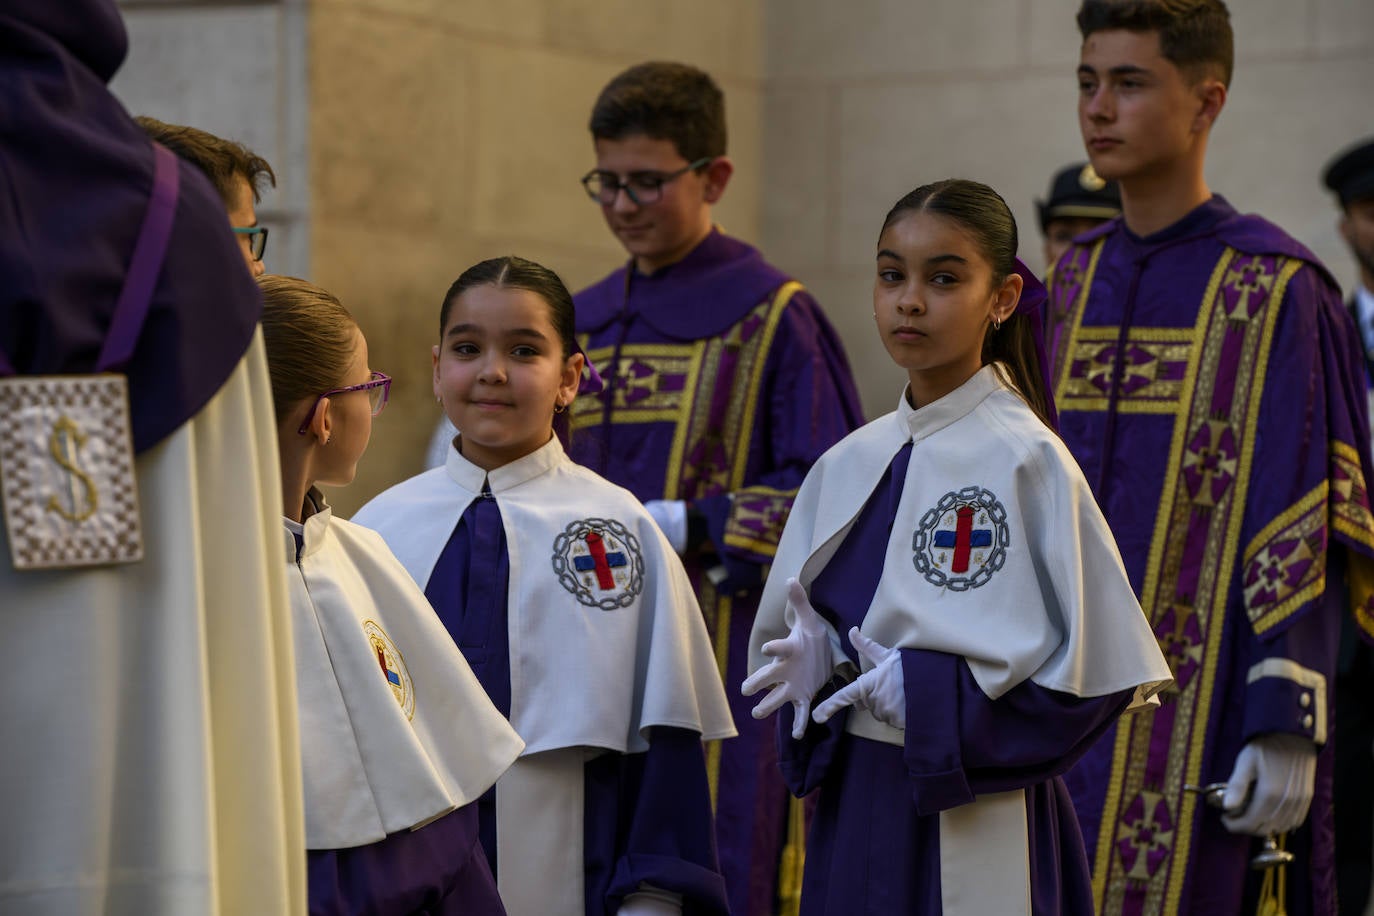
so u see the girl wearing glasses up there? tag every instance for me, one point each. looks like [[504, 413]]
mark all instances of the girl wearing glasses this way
[[397, 736], [575, 614]]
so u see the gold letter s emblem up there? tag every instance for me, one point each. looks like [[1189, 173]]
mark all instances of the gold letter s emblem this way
[[66, 438]]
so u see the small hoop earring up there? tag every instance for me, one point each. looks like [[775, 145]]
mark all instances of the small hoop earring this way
[[997, 324], [559, 407]]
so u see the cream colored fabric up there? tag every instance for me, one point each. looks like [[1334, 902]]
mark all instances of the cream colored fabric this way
[[150, 760], [384, 748], [985, 857], [540, 861]]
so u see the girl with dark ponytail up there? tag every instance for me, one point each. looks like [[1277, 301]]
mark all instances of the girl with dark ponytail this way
[[994, 635]]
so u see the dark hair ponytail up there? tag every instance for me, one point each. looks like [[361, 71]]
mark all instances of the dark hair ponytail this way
[[982, 212]]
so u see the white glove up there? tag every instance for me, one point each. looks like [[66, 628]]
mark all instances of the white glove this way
[[881, 689], [802, 663], [650, 901], [1282, 770], [671, 517]]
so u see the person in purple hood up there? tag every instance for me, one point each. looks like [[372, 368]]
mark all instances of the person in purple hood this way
[[148, 743], [1210, 384], [724, 383]]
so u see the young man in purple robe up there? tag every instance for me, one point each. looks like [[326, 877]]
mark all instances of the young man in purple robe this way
[[1210, 384], [724, 383]]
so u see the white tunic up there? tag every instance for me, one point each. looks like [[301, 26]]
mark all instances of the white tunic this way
[[395, 729], [148, 747]]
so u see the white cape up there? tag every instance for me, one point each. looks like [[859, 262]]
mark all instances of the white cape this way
[[395, 729], [606, 637], [998, 553]]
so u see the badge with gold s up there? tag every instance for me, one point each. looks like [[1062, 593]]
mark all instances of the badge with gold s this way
[[67, 471]]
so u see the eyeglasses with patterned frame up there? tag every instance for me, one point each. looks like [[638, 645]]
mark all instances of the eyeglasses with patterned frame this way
[[378, 391], [641, 187], [257, 239]]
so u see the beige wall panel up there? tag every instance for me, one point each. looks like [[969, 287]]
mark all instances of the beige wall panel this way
[[1345, 24], [894, 139], [1052, 40], [1281, 124], [738, 211], [533, 146], [391, 109], [799, 201], [869, 39], [720, 36], [847, 296], [478, 20]]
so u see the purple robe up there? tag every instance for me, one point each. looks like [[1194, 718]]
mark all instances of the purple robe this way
[[646, 816], [869, 853], [77, 177], [724, 383], [1210, 384]]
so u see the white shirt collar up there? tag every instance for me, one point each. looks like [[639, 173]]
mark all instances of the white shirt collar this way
[[935, 416], [470, 477]]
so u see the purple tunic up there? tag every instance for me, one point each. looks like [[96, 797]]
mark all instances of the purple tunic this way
[[77, 174], [1181, 359], [724, 383], [870, 853], [438, 870], [646, 816]]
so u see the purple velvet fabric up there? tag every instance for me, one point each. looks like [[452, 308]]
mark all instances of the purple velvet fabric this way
[[438, 870], [75, 177]]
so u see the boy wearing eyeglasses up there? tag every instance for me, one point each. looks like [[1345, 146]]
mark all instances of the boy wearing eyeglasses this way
[[724, 382], [236, 172]]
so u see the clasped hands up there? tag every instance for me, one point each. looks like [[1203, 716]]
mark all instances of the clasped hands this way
[[804, 661]]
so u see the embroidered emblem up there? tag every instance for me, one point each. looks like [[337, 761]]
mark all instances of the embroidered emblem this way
[[393, 666], [67, 471], [963, 540], [599, 561], [1147, 830]]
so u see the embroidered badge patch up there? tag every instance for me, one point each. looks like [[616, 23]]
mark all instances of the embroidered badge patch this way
[[599, 561], [963, 540], [393, 666], [67, 471]]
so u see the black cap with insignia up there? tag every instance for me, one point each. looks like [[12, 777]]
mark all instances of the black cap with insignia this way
[[1077, 191], [1351, 173]]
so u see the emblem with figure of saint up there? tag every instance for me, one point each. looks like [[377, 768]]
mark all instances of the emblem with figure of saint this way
[[392, 665], [67, 471], [963, 540]]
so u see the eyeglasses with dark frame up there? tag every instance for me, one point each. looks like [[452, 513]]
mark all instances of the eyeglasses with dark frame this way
[[378, 391], [641, 187], [257, 239]]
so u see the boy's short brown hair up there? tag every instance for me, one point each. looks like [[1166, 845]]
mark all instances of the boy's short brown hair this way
[[218, 158], [666, 101], [1194, 35]]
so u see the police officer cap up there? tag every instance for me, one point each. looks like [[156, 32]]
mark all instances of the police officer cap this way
[[1351, 173], [1077, 191]]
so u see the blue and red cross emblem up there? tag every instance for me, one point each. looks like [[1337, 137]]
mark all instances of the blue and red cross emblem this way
[[598, 560], [963, 540]]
